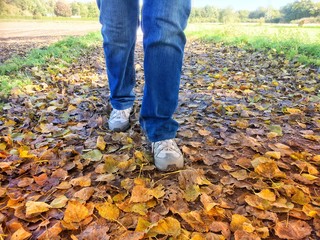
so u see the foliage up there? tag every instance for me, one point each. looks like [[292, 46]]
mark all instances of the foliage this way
[[62, 9], [39, 8], [292, 11]]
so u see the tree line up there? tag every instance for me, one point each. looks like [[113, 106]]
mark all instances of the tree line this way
[[299, 9], [38, 8], [50, 8]]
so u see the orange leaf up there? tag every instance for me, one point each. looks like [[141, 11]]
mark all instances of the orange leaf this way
[[75, 212], [20, 234]]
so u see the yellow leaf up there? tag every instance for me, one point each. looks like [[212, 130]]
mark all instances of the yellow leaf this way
[[36, 207], [101, 144], [9, 123], [300, 198], [20, 234], [59, 202], [269, 170], [242, 123], [316, 158], [309, 176], [75, 212], [111, 165], [168, 226], [237, 222], [157, 192], [267, 195], [248, 227], [24, 152], [273, 154], [108, 211], [311, 211], [292, 110], [312, 137], [142, 225], [192, 192]]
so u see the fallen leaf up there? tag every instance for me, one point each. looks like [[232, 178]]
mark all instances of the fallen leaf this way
[[20, 234], [168, 226], [295, 229], [108, 211], [36, 207]]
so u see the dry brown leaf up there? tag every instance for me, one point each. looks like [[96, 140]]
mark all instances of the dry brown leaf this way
[[52, 232], [84, 181], [241, 235], [195, 221], [294, 230], [85, 193]]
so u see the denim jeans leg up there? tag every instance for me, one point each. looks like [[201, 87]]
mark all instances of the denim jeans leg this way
[[119, 19], [163, 23]]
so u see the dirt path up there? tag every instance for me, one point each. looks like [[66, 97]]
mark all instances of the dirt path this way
[[20, 37]]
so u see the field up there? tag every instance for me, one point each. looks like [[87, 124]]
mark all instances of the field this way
[[249, 115]]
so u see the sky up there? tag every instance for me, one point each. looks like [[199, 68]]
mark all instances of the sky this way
[[243, 4]]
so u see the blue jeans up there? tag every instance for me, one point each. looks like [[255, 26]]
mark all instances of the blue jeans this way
[[163, 23]]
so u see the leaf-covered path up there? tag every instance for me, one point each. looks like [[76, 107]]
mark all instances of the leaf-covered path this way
[[250, 134]]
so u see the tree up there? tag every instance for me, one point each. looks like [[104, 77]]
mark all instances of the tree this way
[[75, 8], [228, 15], [62, 9], [92, 10], [243, 15]]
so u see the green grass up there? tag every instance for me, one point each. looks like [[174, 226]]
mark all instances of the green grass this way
[[59, 54], [300, 43]]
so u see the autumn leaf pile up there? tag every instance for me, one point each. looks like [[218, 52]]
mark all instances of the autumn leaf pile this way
[[250, 134]]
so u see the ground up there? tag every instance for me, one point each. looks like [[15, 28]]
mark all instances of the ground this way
[[249, 132]]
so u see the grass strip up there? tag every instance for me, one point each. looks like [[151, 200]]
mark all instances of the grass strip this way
[[61, 53], [301, 44]]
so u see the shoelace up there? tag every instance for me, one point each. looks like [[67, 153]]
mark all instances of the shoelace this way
[[167, 145], [120, 114]]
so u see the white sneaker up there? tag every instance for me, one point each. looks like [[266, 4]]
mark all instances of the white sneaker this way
[[119, 120], [167, 155]]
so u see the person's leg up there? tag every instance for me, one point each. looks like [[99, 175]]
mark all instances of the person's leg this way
[[119, 19], [163, 23]]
